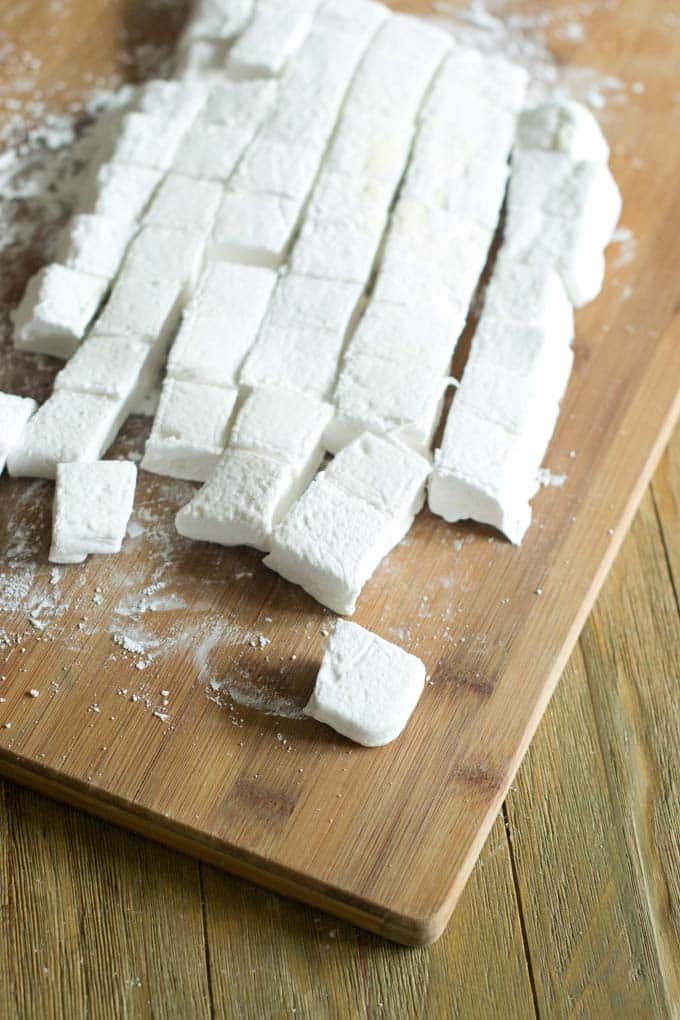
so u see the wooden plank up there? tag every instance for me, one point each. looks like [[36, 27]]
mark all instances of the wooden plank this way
[[666, 492], [271, 957], [385, 838], [94, 921]]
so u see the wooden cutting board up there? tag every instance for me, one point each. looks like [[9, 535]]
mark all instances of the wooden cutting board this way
[[385, 838]]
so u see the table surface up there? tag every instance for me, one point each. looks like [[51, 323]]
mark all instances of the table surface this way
[[573, 908]]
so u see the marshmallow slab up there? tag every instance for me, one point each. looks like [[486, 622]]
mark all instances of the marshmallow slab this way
[[57, 307], [220, 323], [14, 414], [366, 688], [255, 229], [303, 334], [122, 368], [567, 127], [119, 191], [93, 244], [190, 430], [347, 521], [274, 451], [185, 203], [92, 507], [68, 427], [276, 31]]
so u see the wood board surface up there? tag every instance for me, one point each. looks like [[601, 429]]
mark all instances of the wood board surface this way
[[385, 838]]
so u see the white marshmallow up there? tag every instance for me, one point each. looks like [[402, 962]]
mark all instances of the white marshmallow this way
[[67, 427], [470, 73], [407, 336], [147, 140], [277, 167], [56, 309], [525, 350], [276, 31], [338, 249], [14, 414], [118, 191], [274, 450], [92, 507], [185, 203], [347, 521], [303, 334], [117, 367], [567, 127], [236, 104], [212, 151], [220, 323], [190, 430], [366, 688], [171, 99], [93, 244], [218, 19], [140, 306], [532, 295], [166, 253], [254, 229]]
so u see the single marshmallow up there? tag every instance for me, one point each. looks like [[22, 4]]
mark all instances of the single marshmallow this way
[[56, 309], [220, 323], [255, 229], [218, 19], [147, 140], [118, 191], [14, 415], [92, 507], [276, 31], [122, 368], [236, 104], [185, 203], [349, 518], [274, 451], [532, 295], [140, 306], [171, 99], [67, 427], [469, 72], [93, 244], [166, 253], [211, 151], [190, 430], [366, 688], [303, 334], [567, 127]]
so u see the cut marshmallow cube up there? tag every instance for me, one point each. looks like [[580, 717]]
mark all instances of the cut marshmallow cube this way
[[122, 368], [173, 100], [366, 688], [276, 31], [14, 415], [532, 295], [185, 203], [552, 183], [567, 127], [303, 334], [93, 244], [220, 323], [407, 336], [147, 140], [255, 229], [142, 307], [165, 253], [218, 19], [57, 307], [524, 350], [237, 104], [471, 73], [68, 427], [278, 168], [274, 451], [92, 507], [190, 430], [211, 151], [119, 191], [346, 522]]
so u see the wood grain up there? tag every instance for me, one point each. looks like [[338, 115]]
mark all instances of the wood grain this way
[[385, 839]]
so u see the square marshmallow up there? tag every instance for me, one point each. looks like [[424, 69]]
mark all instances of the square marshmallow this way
[[56, 309], [147, 140], [172, 100], [161, 253], [93, 244], [118, 367], [185, 203], [366, 688], [239, 104], [140, 306], [190, 430], [92, 507], [119, 191], [254, 228], [14, 415], [567, 127], [212, 151], [277, 30]]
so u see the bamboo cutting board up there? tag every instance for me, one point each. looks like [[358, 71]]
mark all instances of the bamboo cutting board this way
[[385, 838]]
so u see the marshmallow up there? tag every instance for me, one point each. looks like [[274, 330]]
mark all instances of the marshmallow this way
[[346, 522], [303, 334], [220, 323], [166, 253], [92, 507], [567, 127], [529, 294], [237, 104], [366, 688], [211, 151], [116, 367], [140, 306], [56, 309], [147, 140], [14, 414], [118, 191], [93, 244], [274, 450], [470, 73], [218, 19], [185, 203], [255, 229], [67, 427], [190, 430], [171, 99], [524, 350], [276, 31], [278, 168]]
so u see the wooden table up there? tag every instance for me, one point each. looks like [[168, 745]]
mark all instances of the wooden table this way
[[573, 908]]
